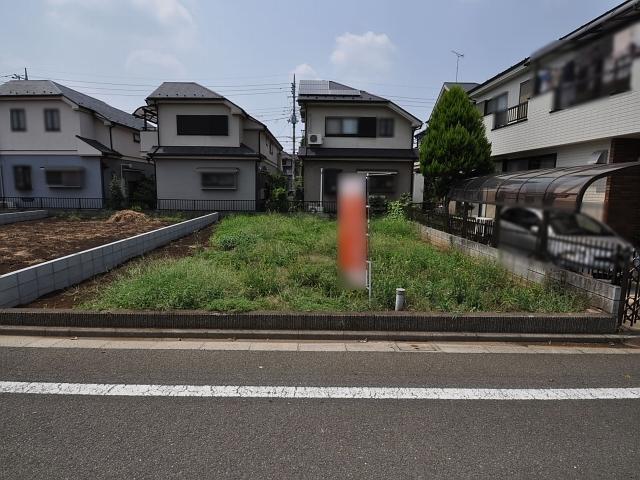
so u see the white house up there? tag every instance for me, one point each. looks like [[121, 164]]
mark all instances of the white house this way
[[574, 102], [209, 153], [58, 144], [348, 131]]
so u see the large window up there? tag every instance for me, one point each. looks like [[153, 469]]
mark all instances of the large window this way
[[52, 119], [381, 182], [385, 127], [18, 120], [350, 126], [219, 180], [496, 104], [64, 178], [526, 90], [22, 177], [203, 125], [330, 181]]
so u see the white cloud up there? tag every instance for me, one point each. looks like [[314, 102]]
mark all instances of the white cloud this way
[[304, 71], [363, 55], [166, 12], [156, 64]]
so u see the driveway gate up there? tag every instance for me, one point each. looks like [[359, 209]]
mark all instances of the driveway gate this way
[[629, 310]]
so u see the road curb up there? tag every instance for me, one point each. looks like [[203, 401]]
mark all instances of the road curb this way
[[324, 335], [389, 322]]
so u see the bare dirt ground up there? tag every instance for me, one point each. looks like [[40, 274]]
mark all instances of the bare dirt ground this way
[[24, 244], [76, 295]]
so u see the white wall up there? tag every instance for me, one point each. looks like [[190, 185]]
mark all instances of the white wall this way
[[602, 118], [315, 123], [35, 138], [168, 125]]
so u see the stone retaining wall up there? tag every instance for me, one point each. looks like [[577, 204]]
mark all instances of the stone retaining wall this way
[[601, 295], [26, 285], [13, 217]]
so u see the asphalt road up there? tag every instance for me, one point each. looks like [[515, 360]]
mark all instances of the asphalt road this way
[[66, 436]]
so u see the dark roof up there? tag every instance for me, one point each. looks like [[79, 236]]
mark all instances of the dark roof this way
[[359, 96], [504, 72], [183, 90], [40, 88], [99, 146], [466, 86], [196, 151], [379, 153]]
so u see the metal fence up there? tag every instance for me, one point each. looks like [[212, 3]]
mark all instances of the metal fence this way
[[52, 203], [596, 257], [629, 310]]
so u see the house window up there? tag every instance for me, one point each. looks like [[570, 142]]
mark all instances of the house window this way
[[52, 119], [203, 125], [18, 120], [350, 126], [219, 180], [385, 127], [270, 147], [136, 137], [22, 177], [496, 104], [330, 181], [381, 183], [72, 178], [526, 89]]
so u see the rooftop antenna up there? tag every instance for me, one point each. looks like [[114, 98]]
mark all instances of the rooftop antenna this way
[[458, 57]]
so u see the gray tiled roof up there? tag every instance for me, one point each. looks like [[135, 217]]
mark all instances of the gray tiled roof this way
[[366, 153], [99, 146], [183, 90], [197, 151], [21, 88]]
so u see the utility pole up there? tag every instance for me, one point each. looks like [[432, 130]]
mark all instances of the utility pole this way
[[458, 57], [294, 119]]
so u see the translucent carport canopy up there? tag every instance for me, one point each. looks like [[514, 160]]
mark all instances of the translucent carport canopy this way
[[553, 188]]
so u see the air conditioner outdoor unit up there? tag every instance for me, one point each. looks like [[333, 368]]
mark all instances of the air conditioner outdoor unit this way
[[314, 139]]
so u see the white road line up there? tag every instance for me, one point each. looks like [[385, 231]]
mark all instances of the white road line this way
[[365, 393]]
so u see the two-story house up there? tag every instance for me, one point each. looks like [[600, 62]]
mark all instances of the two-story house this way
[[58, 144], [574, 102], [208, 152], [353, 131]]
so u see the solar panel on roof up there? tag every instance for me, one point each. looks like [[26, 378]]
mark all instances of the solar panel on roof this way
[[322, 87]]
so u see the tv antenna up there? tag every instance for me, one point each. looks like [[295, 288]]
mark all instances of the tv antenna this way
[[458, 57]]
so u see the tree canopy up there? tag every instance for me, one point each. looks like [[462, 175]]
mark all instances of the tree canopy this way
[[455, 145]]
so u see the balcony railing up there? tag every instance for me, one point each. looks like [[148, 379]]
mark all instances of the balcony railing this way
[[511, 115]]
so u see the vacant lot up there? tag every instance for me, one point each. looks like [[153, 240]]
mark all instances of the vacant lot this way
[[276, 262], [27, 243]]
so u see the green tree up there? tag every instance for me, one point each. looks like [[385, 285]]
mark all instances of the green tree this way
[[116, 196], [455, 145]]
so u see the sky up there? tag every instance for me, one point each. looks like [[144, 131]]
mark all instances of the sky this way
[[248, 50]]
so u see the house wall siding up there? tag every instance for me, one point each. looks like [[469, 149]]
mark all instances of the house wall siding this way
[[602, 118], [315, 123], [180, 179], [312, 174], [167, 113], [92, 175], [36, 138]]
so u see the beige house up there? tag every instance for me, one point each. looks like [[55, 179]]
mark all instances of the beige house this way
[[209, 153], [353, 131]]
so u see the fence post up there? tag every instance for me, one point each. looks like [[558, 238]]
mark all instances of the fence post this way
[[623, 290], [465, 215], [447, 226]]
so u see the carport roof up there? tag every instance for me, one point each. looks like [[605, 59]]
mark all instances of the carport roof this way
[[559, 188]]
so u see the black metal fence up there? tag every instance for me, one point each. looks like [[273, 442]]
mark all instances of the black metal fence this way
[[629, 309], [599, 257], [52, 203]]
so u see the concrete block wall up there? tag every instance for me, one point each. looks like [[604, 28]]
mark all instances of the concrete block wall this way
[[13, 217], [26, 285], [601, 295]]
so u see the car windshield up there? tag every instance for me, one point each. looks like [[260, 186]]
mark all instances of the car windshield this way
[[577, 224]]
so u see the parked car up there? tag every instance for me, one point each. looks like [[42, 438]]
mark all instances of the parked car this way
[[576, 241]]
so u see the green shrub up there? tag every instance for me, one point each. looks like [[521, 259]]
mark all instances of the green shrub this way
[[278, 201], [116, 199]]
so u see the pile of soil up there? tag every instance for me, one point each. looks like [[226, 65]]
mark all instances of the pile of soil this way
[[128, 216]]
